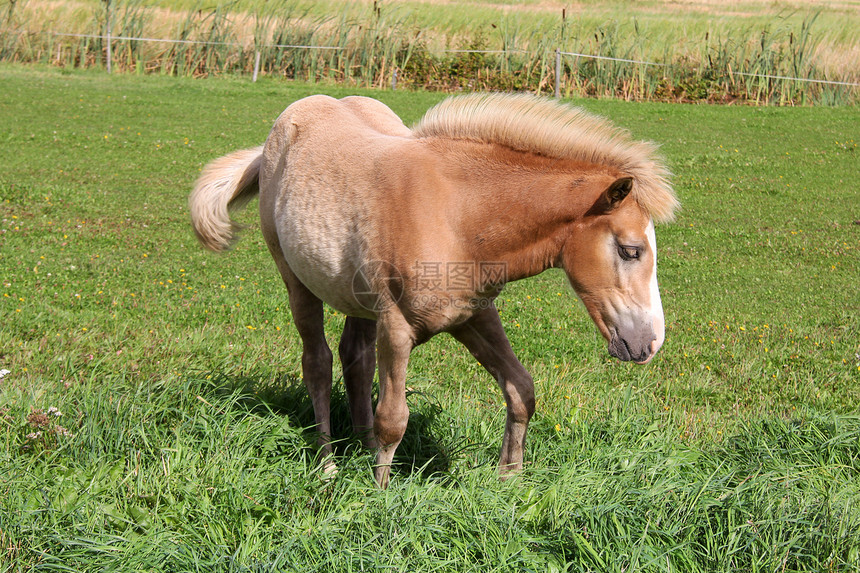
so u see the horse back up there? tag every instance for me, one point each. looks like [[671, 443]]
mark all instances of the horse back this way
[[326, 122]]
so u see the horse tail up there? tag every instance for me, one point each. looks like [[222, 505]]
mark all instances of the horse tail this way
[[225, 185]]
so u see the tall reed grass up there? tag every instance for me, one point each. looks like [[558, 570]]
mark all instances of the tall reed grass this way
[[376, 45]]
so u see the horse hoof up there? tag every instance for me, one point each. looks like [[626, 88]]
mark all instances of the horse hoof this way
[[329, 471]]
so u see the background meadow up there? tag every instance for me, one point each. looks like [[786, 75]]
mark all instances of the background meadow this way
[[695, 50], [152, 415]]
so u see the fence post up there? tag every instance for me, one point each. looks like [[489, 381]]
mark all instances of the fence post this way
[[394, 80], [107, 34], [256, 65], [557, 73]]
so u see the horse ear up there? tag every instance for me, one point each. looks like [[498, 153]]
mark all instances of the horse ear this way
[[619, 189], [611, 197]]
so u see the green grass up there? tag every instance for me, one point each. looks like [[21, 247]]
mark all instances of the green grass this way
[[183, 443]]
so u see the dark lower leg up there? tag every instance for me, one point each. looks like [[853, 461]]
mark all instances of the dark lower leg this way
[[357, 351]]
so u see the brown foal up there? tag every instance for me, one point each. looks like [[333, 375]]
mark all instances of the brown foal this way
[[412, 232]]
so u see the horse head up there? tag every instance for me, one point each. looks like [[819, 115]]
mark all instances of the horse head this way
[[611, 261]]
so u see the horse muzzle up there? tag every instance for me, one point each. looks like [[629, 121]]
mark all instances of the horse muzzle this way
[[638, 346]]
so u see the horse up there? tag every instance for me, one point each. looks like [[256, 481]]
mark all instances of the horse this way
[[414, 232]]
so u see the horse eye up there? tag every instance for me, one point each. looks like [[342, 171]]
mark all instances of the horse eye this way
[[628, 253]]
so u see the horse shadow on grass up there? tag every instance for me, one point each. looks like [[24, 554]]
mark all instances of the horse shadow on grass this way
[[431, 442]]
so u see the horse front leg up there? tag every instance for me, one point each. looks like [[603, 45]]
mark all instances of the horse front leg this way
[[357, 352], [485, 338], [394, 342]]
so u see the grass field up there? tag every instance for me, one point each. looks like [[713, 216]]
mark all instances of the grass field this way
[[153, 418]]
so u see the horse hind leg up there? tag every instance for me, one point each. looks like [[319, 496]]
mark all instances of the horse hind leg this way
[[307, 312], [357, 350]]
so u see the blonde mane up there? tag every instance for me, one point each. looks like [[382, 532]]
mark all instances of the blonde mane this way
[[552, 129]]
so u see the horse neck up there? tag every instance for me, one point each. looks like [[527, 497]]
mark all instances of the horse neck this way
[[519, 209]]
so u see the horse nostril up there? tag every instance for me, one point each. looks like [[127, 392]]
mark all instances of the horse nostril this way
[[647, 354]]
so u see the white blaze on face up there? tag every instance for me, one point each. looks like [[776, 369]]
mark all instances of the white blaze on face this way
[[658, 322]]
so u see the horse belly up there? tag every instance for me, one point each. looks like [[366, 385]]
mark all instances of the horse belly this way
[[319, 229]]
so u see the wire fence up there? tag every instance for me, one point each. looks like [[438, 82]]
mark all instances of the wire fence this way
[[568, 65], [559, 53]]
